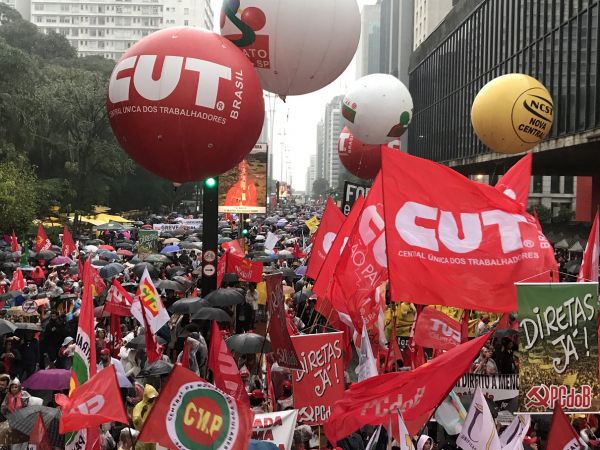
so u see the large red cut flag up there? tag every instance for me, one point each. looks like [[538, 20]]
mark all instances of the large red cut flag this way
[[245, 269], [18, 282], [38, 439], [93, 403], [414, 394], [362, 266], [192, 413], [283, 349], [452, 239], [225, 371], [98, 284], [153, 348], [321, 286], [515, 182], [118, 300], [233, 247], [562, 435], [68, 244], [14, 243], [589, 265], [330, 224], [41, 241], [434, 329]]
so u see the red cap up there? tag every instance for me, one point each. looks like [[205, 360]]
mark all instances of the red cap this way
[[286, 385], [258, 394], [105, 351]]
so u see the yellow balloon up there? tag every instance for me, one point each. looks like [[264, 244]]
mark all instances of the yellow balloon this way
[[512, 113]]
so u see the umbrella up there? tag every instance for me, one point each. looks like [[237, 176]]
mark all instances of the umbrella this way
[[10, 295], [110, 226], [8, 436], [183, 281], [211, 314], [90, 248], [231, 278], [260, 237], [156, 369], [170, 285], [188, 305], [248, 343], [28, 326], [94, 242], [106, 247], [6, 327], [156, 258], [60, 261], [174, 271], [261, 445], [123, 252], [222, 240], [106, 254], [46, 255], [49, 380], [100, 263], [171, 241], [138, 269], [111, 270], [191, 239], [191, 245], [170, 249], [139, 342], [300, 271], [225, 297], [24, 419], [288, 273]]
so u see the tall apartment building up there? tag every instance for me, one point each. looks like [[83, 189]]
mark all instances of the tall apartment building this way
[[428, 15], [332, 127], [109, 27], [311, 174], [368, 59]]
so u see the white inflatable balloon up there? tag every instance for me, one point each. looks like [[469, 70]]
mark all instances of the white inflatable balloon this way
[[297, 46], [377, 109]]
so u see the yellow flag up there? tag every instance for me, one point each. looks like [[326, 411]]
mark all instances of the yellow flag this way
[[312, 224]]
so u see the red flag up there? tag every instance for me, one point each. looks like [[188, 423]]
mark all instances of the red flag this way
[[225, 371], [321, 286], [283, 349], [233, 247], [589, 265], [515, 182], [434, 329], [455, 236], [331, 223], [299, 254], [562, 435], [464, 326], [116, 338], [221, 267], [394, 353], [118, 300], [93, 403], [245, 269], [38, 439], [153, 349], [98, 283], [185, 355], [18, 282], [68, 244], [415, 394], [14, 243], [41, 241], [192, 413], [362, 266]]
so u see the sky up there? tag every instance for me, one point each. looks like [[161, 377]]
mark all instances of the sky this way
[[295, 121]]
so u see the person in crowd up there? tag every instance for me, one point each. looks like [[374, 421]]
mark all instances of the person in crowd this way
[[286, 400], [484, 364], [252, 300], [15, 399], [4, 381], [425, 443], [10, 357], [141, 412], [52, 336], [64, 359], [257, 401], [244, 313]]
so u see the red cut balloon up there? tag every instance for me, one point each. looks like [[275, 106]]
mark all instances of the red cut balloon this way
[[362, 160], [185, 104]]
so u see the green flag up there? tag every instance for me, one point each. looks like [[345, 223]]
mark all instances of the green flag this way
[[24, 254]]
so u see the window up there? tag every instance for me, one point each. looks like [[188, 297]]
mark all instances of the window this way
[[569, 182], [38, 7], [538, 184], [64, 7], [186, 11], [186, 22], [555, 184]]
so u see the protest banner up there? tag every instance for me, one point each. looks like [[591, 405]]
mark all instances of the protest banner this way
[[495, 387], [322, 381], [186, 224], [243, 189], [558, 342], [147, 242], [276, 427], [351, 192]]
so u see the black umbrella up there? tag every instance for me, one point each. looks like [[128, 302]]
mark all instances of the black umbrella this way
[[28, 326], [188, 305], [139, 342], [126, 245], [211, 314], [46, 255], [138, 269], [231, 278], [155, 369], [248, 343], [100, 263], [111, 270], [157, 258], [170, 285], [6, 327], [183, 281], [192, 239], [174, 271], [10, 295], [24, 419], [8, 436], [289, 273], [225, 297], [95, 242], [10, 265], [191, 245]]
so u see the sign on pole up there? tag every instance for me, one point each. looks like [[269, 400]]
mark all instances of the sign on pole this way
[[351, 192]]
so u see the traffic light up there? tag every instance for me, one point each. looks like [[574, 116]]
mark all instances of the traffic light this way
[[246, 229], [210, 183]]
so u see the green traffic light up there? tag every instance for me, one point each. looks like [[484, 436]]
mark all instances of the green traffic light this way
[[244, 232], [210, 182]]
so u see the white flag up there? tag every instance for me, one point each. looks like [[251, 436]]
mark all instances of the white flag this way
[[406, 442], [148, 300], [367, 366], [374, 439], [512, 437], [451, 414], [479, 429], [271, 241]]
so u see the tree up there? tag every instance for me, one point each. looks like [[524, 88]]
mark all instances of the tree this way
[[320, 187], [18, 196]]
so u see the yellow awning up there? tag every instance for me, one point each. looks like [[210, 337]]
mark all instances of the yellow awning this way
[[105, 218], [92, 221]]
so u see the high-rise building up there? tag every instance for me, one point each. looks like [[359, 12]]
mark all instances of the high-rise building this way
[[320, 150], [367, 57], [332, 127], [109, 27], [428, 15], [396, 37], [311, 174]]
